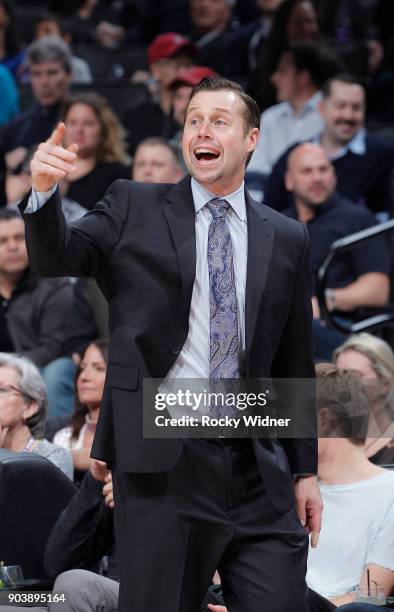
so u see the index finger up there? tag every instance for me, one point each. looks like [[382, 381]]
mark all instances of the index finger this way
[[315, 521], [58, 134]]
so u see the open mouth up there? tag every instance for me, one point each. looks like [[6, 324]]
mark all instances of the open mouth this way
[[203, 154]]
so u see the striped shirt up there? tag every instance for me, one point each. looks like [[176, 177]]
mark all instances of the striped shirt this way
[[193, 360]]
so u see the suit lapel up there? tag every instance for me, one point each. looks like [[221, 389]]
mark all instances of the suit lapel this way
[[180, 217], [260, 243]]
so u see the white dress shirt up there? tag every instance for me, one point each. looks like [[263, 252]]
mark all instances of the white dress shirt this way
[[280, 128]]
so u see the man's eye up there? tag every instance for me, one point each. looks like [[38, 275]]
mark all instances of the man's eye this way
[[193, 121], [220, 122]]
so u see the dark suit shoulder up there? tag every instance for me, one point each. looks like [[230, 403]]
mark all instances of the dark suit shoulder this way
[[283, 224], [376, 145], [144, 194]]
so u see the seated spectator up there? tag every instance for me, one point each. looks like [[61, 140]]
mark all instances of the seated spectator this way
[[11, 53], [9, 101], [373, 359], [49, 62], [23, 406], [363, 163], [156, 161], [33, 310], [260, 30], [295, 21], [102, 157], [166, 55], [359, 277], [301, 72], [89, 383], [358, 496], [50, 25], [84, 18], [217, 36]]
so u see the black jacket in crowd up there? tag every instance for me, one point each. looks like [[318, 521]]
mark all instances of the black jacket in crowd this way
[[32, 321]]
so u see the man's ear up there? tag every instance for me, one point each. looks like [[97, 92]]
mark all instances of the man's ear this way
[[289, 184], [254, 136]]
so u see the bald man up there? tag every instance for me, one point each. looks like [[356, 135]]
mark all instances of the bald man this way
[[155, 161], [357, 278]]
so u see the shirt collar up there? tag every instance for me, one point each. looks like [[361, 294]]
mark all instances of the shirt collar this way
[[356, 145], [236, 199], [310, 105]]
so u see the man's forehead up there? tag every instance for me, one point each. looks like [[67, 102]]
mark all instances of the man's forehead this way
[[10, 226], [222, 100], [156, 150], [44, 66], [307, 159], [351, 91]]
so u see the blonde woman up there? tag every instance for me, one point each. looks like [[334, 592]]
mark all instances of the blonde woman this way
[[373, 359]]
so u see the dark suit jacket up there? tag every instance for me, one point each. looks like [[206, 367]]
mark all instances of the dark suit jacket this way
[[139, 244]]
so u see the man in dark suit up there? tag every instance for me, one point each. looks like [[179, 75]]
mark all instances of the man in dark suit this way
[[201, 283]]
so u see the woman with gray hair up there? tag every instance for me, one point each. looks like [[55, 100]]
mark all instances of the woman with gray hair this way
[[23, 412], [373, 359]]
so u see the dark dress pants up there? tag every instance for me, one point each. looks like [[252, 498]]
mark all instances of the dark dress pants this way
[[211, 511]]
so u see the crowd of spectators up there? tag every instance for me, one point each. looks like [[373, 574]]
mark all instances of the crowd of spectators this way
[[119, 75]]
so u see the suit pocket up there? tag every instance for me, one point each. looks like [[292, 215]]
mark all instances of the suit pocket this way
[[123, 377]]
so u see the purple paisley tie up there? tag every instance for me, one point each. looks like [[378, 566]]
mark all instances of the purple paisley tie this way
[[224, 345]]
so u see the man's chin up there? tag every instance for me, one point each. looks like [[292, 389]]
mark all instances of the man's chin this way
[[205, 176]]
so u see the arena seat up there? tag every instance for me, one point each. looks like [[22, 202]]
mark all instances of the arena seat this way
[[33, 492]]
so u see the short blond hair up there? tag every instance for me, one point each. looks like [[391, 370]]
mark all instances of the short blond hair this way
[[380, 356]]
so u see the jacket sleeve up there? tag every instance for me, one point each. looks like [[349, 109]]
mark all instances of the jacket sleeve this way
[[294, 359], [81, 248], [83, 532]]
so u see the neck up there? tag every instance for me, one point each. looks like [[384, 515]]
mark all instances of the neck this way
[[84, 166], [341, 462], [380, 419], [165, 100], [304, 212], [94, 412], [221, 27], [17, 438], [223, 189], [330, 145], [8, 283], [299, 99]]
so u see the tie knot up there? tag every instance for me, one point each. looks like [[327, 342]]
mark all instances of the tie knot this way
[[218, 208]]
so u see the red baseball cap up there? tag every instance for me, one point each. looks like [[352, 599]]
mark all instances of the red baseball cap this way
[[192, 76], [166, 45]]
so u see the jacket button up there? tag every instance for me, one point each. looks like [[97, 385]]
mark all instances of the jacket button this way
[[175, 350]]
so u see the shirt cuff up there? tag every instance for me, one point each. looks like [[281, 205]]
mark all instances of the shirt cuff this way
[[38, 199]]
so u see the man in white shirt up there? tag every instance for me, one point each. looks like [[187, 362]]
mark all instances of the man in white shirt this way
[[301, 71]]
